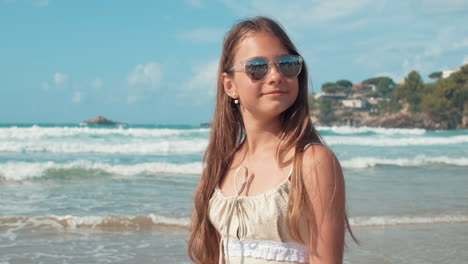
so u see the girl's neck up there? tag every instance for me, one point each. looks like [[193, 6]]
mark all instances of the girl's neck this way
[[261, 136]]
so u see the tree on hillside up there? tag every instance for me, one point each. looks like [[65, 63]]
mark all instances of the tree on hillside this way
[[339, 86], [455, 88], [326, 115], [313, 104], [464, 68], [330, 87], [411, 91], [435, 75], [384, 85], [447, 98], [345, 85]]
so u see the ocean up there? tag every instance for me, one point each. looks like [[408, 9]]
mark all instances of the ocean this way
[[81, 194]]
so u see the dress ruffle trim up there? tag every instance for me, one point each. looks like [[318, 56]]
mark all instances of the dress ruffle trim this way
[[269, 250]]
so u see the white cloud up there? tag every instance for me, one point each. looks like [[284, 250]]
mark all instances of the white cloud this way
[[96, 84], [363, 59], [131, 99], [38, 3], [417, 63], [60, 79], [204, 81], [203, 35], [45, 86], [423, 53], [145, 75], [144, 79], [194, 3], [437, 7], [465, 60], [409, 64], [299, 12], [42, 3], [446, 40], [77, 97], [441, 43], [355, 24], [461, 44]]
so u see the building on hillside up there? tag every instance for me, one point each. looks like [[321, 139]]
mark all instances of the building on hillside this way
[[376, 100], [355, 103], [338, 95], [357, 87]]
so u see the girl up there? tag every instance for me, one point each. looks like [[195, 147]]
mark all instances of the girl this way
[[270, 191]]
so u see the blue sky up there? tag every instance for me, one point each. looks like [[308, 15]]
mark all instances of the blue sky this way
[[155, 61]]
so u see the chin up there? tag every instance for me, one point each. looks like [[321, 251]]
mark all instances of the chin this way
[[281, 108]]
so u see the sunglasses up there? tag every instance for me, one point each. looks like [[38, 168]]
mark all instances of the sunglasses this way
[[257, 68]]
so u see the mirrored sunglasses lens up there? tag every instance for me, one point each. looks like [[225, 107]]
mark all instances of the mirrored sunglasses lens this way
[[290, 66], [256, 69]]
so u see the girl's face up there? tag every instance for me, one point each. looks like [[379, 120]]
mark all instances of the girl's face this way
[[266, 98]]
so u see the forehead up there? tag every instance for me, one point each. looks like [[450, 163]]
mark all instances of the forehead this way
[[259, 44]]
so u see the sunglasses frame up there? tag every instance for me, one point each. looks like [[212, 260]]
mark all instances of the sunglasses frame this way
[[269, 63]]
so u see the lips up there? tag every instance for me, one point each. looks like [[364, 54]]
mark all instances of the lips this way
[[275, 92]]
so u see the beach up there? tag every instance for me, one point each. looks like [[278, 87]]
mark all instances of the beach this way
[[71, 193]]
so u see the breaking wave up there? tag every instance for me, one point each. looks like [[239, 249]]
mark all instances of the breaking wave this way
[[17, 171], [36, 132], [418, 161]]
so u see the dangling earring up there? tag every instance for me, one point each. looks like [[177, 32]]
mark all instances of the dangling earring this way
[[236, 100]]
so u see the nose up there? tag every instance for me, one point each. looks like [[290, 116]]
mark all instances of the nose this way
[[274, 76]]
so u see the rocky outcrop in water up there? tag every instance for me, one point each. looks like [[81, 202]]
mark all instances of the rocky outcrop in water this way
[[100, 120]]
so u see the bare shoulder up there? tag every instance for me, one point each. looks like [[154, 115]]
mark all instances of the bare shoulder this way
[[319, 157], [324, 184], [321, 169]]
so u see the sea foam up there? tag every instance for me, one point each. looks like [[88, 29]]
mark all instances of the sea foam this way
[[14, 224], [36, 132], [392, 141], [418, 161], [197, 145], [18, 171], [407, 220], [375, 130], [178, 146]]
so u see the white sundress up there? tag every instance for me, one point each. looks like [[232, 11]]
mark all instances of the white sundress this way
[[253, 228]]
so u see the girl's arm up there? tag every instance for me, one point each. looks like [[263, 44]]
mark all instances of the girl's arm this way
[[324, 184]]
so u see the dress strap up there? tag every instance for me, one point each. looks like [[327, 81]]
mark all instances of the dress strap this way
[[234, 209], [246, 177]]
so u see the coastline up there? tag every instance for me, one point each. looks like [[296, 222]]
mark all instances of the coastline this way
[[395, 120]]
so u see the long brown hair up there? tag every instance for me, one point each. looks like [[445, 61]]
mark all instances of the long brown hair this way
[[227, 133]]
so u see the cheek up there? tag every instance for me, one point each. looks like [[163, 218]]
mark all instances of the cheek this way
[[295, 89], [245, 88]]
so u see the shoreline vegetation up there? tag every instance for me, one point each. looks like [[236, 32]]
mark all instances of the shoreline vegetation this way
[[380, 102]]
